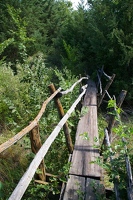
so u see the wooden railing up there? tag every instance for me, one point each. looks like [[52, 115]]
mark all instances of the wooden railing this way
[[36, 146], [108, 134], [41, 150]]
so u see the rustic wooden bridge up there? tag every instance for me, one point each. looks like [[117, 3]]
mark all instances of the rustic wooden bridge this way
[[84, 174]]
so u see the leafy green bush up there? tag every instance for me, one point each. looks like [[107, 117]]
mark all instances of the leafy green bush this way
[[13, 158], [116, 155], [13, 98], [35, 73]]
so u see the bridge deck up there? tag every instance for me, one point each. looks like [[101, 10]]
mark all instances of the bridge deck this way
[[82, 172]]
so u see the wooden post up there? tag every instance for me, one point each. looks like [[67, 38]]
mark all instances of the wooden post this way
[[106, 88], [61, 114], [35, 146], [112, 117]]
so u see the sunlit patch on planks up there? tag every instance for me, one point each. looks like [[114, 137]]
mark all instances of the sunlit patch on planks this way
[[82, 170]]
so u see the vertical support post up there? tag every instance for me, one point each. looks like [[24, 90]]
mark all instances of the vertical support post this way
[[119, 102], [111, 123], [61, 114], [35, 146], [106, 88]]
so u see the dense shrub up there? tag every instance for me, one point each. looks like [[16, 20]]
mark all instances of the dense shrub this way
[[13, 98]]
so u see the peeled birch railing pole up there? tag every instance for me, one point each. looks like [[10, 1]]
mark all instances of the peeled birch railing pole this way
[[35, 146], [61, 114], [72, 87]]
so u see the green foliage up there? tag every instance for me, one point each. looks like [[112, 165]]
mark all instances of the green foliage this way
[[35, 73], [101, 125], [79, 192], [114, 161], [1, 188], [71, 59], [9, 177], [4, 44], [20, 32], [104, 37], [21, 98], [11, 94], [85, 136], [98, 190]]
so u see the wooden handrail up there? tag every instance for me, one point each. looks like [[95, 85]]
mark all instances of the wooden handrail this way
[[72, 87], [28, 128], [27, 177], [23, 132]]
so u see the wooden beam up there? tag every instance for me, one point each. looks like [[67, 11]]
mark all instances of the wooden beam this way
[[61, 114], [75, 188]]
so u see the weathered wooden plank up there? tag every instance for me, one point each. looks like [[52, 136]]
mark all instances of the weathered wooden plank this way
[[84, 152], [87, 132], [82, 188], [75, 188], [90, 98], [92, 188]]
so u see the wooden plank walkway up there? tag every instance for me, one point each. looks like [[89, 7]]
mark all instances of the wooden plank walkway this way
[[82, 172]]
